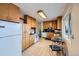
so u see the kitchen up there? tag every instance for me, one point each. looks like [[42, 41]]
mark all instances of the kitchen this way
[[29, 30], [39, 29]]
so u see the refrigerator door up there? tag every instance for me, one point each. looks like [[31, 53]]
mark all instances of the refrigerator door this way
[[10, 29], [10, 38], [11, 46]]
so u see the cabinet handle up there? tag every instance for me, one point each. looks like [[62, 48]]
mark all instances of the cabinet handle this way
[[2, 26]]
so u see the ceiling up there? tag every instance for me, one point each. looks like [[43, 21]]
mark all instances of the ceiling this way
[[52, 10]]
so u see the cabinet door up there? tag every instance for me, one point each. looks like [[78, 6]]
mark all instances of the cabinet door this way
[[59, 24], [29, 21], [50, 24], [3, 10], [54, 24], [27, 41], [14, 13], [45, 25], [27, 35], [33, 23], [50, 35], [23, 42], [31, 39]]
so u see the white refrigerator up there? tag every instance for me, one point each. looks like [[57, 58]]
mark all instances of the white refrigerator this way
[[10, 38]]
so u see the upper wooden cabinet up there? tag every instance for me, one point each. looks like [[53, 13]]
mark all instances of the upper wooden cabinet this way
[[14, 12], [59, 22], [30, 21], [4, 10], [9, 12], [33, 23], [49, 24], [54, 24]]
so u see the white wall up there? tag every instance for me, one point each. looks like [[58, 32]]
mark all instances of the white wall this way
[[72, 44], [21, 14]]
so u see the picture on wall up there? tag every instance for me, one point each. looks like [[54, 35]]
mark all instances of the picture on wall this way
[[67, 26], [66, 30]]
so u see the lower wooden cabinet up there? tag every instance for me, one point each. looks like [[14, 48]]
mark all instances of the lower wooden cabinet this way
[[31, 39], [50, 35], [25, 39], [25, 42]]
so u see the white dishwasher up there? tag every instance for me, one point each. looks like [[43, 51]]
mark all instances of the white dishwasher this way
[[44, 34]]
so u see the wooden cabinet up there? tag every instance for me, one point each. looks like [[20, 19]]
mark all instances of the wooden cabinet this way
[[14, 12], [44, 25], [49, 24], [28, 38], [59, 22], [4, 10], [32, 21], [54, 24], [31, 39], [50, 35], [9, 12], [29, 21], [25, 40]]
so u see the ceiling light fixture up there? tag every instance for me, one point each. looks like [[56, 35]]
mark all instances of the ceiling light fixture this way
[[41, 13]]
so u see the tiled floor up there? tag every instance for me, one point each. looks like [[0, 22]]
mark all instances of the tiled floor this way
[[39, 49]]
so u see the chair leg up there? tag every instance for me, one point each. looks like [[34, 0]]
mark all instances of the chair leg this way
[[61, 53], [50, 52], [54, 53]]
